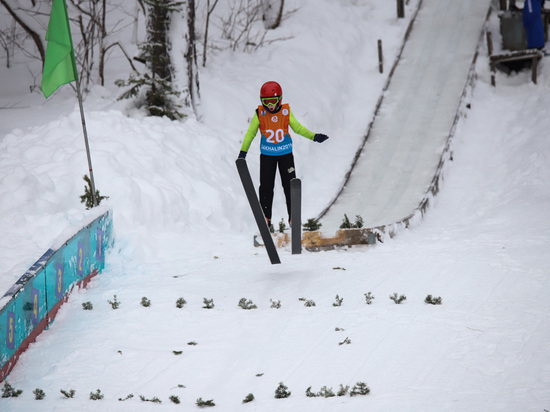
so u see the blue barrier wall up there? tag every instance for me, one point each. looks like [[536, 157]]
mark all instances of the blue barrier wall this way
[[31, 303]]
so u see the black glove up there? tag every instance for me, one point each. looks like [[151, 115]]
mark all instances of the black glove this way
[[320, 138], [242, 154]]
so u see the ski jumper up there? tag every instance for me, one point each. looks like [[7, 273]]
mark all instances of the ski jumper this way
[[532, 21], [276, 151]]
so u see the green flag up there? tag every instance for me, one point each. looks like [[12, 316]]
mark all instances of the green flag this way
[[59, 64]]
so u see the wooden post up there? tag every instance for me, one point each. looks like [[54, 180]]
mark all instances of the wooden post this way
[[380, 57], [489, 43], [502, 4], [534, 65], [400, 9], [490, 52]]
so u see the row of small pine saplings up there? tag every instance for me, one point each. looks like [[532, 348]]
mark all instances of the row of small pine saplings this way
[[248, 304], [360, 388]]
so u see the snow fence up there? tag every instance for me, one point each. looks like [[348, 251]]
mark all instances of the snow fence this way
[[31, 304]]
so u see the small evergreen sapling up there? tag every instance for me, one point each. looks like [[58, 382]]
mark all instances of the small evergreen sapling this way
[[68, 394], [433, 300], [398, 299], [115, 304], [346, 341], [338, 301], [282, 226], [275, 304], [247, 304], [343, 390], [201, 403], [360, 388], [208, 303], [326, 392], [174, 399], [9, 391], [310, 394], [96, 396], [180, 303], [39, 394], [145, 302], [130, 396], [154, 399], [346, 224], [369, 298], [307, 303], [87, 197], [248, 398], [282, 391], [312, 225], [87, 305]]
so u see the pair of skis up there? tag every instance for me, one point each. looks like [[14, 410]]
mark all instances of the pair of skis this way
[[295, 212]]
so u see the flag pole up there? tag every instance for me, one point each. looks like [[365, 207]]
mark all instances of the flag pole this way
[[92, 183], [60, 68]]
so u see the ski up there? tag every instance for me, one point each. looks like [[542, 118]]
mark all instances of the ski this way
[[248, 186], [296, 215]]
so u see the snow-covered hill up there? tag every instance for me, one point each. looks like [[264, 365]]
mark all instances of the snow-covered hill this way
[[183, 229]]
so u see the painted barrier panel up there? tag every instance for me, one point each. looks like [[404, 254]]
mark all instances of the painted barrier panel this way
[[31, 304]]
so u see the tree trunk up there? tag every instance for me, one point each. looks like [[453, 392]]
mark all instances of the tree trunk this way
[[209, 11], [191, 58], [102, 49], [160, 60], [272, 13]]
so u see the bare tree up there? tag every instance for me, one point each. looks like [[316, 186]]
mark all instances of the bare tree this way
[[209, 11], [8, 39], [240, 26], [95, 35], [238, 23], [26, 17]]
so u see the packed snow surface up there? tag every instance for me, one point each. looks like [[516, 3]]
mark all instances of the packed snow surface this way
[[398, 161], [183, 229]]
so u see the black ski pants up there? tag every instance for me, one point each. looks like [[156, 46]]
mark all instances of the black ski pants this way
[[268, 168]]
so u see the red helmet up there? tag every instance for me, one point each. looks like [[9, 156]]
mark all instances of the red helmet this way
[[271, 94], [271, 89]]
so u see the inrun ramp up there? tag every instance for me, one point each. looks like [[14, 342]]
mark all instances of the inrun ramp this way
[[408, 135]]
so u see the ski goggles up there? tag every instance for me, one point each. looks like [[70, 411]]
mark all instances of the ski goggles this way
[[266, 101]]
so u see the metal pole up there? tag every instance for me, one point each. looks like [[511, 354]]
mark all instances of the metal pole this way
[[92, 183]]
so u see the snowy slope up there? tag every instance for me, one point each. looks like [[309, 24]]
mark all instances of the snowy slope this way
[[183, 230], [400, 157]]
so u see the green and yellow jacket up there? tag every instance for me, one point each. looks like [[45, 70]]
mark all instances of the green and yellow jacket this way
[[275, 140]]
